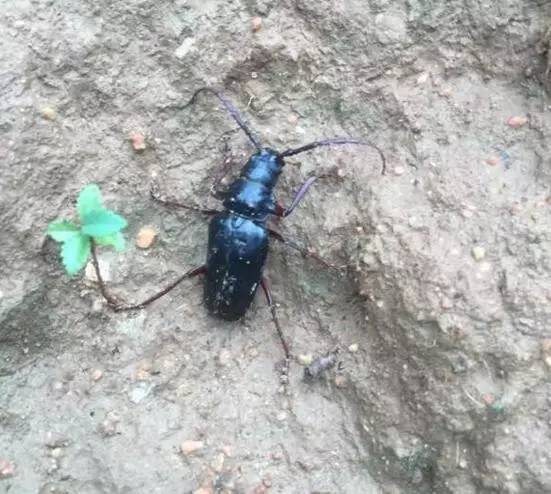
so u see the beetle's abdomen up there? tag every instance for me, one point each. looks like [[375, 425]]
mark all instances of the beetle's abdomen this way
[[237, 252]]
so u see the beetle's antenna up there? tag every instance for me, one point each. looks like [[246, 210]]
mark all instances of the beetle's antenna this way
[[331, 142], [232, 110]]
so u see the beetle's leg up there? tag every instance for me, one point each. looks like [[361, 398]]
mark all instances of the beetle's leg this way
[[215, 189], [283, 211], [305, 251], [173, 204], [118, 307], [285, 370]]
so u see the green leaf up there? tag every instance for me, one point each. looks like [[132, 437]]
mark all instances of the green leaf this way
[[116, 240], [61, 231], [101, 223], [89, 200], [74, 253]]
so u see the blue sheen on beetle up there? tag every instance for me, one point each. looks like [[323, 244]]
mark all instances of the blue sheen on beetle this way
[[238, 238]]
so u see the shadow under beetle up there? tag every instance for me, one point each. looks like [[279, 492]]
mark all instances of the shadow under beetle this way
[[239, 235]]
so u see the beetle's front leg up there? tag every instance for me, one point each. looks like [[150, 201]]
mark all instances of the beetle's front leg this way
[[283, 212], [156, 196]]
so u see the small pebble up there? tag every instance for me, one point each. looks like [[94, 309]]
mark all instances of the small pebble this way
[[227, 450], [145, 238], [90, 272], [256, 24], [7, 469], [292, 119], [97, 374], [277, 456], [57, 452], [340, 381], [517, 121], [218, 463], [446, 303], [204, 490], [493, 161], [485, 267], [143, 370], [353, 348], [305, 359], [138, 141], [546, 351], [478, 253], [488, 399], [281, 416], [260, 489], [424, 77], [54, 466], [58, 386], [48, 113], [190, 447], [399, 170], [108, 427], [224, 358], [185, 47]]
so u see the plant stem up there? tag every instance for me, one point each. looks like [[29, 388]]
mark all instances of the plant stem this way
[[103, 289]]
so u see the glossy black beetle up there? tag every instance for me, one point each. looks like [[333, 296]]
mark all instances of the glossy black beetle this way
[[238, 235]]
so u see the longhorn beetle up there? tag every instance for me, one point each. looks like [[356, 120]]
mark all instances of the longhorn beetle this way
[[238, 235]]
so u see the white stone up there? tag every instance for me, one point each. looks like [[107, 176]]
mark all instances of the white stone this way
[[184, 48]]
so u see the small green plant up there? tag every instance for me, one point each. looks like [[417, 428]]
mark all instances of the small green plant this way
[[98, 225]]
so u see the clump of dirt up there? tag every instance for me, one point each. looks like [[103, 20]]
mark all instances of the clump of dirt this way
[[441, 313]]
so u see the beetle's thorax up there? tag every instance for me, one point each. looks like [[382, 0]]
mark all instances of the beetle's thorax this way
[[251, 195]]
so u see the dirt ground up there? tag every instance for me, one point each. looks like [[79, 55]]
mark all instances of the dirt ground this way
[[441, 310]]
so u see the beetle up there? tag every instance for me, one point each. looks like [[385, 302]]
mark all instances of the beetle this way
[[238, 235]]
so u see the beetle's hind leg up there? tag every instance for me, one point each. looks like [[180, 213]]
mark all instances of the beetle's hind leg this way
[[305, 251], [285, 369], [117, 306]]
